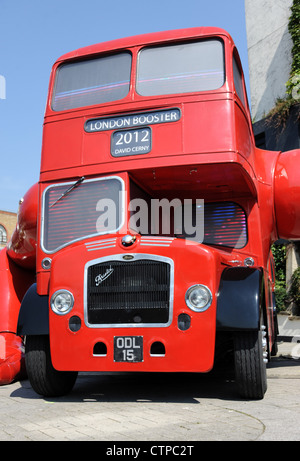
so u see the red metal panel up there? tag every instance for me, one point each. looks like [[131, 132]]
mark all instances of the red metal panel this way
[[287, 195], [191, 350]]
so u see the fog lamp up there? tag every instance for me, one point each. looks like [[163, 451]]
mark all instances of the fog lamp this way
[[62, 302], [184, 322], [198, 298]]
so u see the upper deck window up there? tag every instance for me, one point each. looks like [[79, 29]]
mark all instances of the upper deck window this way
[[93, 81], [238, 81], [183, 68]]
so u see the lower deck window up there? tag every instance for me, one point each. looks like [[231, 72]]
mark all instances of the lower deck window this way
[[225, 224], [222, 223]]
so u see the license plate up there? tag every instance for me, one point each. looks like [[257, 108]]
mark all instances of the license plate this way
[[131, 142], [128, 348]]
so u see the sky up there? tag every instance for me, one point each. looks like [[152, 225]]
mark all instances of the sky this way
[[34, 33]]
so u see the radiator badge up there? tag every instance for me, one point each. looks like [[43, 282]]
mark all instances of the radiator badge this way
[[101, 277]]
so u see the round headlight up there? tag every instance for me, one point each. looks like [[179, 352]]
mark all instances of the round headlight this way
[[62, 302], [198, 298]]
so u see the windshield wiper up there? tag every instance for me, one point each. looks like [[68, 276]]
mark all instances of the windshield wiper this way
[[68, 190]]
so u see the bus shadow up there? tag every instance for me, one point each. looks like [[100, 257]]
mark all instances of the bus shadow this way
[[142, 387], [157, 387]]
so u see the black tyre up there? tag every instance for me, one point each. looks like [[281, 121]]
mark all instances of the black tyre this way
[[44, 379], [250, 367]]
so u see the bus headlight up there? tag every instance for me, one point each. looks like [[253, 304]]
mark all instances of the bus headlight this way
[[62, 302], [198, 298]]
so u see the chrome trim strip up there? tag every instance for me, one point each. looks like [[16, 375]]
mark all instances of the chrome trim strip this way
[[161, 239], [154, 245], [101, 244], [100, 248], [136, 257], [96, 242], [157, 241]]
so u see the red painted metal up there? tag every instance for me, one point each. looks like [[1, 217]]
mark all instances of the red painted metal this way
[[22, 246], [14, 282], [287, 195], [12, 361], [209, 153]]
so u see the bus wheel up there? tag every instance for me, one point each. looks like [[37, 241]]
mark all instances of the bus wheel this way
[[44, 379], [250, 364]]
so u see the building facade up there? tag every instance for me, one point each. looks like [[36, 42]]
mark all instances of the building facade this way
[[269, 52], [270, 60], [8, 221]]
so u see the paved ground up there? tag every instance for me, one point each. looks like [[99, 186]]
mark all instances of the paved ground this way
[[147, 407]]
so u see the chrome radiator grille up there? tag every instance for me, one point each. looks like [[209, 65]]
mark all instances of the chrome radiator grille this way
[[132, 292]]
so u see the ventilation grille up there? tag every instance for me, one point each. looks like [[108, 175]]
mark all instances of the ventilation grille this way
[[132, 292]]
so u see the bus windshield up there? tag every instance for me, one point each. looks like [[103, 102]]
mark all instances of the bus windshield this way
[[93, 81], [182, 68]]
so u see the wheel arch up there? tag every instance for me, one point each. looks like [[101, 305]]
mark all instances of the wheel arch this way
[[240, 302], [34, 314]]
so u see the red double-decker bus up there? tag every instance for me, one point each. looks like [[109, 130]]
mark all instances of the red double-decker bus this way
[[145, 246]]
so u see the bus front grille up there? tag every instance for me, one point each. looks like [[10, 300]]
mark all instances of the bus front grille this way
[[129, 293]]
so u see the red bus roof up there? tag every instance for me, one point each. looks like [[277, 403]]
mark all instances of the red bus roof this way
[[145, 39]]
